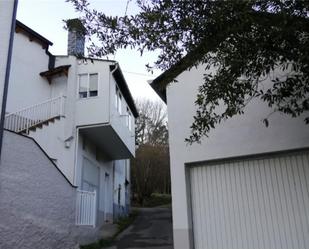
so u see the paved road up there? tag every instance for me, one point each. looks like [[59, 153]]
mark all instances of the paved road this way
[[152, 229]]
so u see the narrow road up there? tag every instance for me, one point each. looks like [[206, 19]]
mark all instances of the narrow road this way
[[152, 229]]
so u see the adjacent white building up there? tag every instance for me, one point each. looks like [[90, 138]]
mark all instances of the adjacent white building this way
[[246, 185], [81, 112], [7, 21]]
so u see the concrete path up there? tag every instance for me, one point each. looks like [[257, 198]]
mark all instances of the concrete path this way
[[152, 229]]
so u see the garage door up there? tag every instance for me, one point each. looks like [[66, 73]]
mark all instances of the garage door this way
[[251, 204]]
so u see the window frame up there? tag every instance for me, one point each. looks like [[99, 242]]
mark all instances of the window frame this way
[[118, 96], [129, 119], [88, 85]]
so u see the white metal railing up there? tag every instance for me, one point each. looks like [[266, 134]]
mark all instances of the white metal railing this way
[[28, 117], [86, 206]]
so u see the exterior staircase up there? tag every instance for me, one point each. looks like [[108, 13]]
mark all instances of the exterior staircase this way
[[33, 117]]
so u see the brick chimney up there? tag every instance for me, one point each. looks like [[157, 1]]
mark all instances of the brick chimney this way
[[76, 37]]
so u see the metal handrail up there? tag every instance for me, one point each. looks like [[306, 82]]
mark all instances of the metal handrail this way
[[28, 117]]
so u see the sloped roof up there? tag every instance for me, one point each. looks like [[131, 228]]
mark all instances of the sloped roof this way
[[160, 83], [122, 84], [49, 74], [20, 27]]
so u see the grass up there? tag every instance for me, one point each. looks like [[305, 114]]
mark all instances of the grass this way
[[158, 200], [122, 224], [99, 244], [125, 222]]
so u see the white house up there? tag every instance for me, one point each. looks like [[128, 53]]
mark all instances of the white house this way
[[246, 185], [7, 20], [81, 113]]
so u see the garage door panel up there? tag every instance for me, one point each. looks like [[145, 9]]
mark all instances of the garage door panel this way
[[261, 203]]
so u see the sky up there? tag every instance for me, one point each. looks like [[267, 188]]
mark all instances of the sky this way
[[46, 17]]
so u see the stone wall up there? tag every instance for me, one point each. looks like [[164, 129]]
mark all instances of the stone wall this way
[[37, 203]]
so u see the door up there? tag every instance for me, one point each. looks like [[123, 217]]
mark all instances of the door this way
[[251, 204], [90, 176], [107, 196]]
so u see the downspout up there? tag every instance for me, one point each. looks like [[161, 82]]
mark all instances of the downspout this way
[[76, 157], [117, 66], [51, 59], [110, 97], [7, 73], [114, 162]]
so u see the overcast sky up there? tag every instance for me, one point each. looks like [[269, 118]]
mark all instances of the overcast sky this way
[[45, 17]]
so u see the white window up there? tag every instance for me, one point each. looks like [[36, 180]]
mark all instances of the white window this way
[[88, 85], [129, 119], [93, 84], [118, 100], [83, 85]]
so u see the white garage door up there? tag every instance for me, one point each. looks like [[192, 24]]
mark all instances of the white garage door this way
[[252, 204]]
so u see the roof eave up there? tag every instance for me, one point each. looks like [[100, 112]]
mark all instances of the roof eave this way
[[32, 33], [122, 84]]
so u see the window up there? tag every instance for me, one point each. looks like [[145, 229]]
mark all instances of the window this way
[[83, 85], [129, 119], [93, 85], [88, 85], [118, 99]]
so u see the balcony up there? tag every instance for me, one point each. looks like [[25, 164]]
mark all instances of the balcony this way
[[103, 106]]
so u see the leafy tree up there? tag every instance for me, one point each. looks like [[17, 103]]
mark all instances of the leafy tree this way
[[244, 40], [150, 171]]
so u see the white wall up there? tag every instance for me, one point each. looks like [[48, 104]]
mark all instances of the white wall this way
[[6, 13], [119, 179], [70, 102], [51, 138], [98, 105], [26, 86], [87, 149], [118, 121], [59, 86], [241, 135]]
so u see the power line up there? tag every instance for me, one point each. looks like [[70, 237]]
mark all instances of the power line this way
[[141, 74]]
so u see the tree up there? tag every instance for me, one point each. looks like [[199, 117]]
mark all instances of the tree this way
[[151, 126], [150, 169], [244, 40]]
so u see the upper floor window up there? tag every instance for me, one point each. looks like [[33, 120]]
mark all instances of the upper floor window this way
[[129, 119], [118, 99], [88, 85]]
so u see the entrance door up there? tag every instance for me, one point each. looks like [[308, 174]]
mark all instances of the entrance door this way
[[107, 194], [90, 176]]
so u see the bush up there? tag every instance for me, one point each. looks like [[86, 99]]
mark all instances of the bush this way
[[158, 200]]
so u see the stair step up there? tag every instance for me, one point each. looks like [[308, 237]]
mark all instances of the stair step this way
[[40, 125]]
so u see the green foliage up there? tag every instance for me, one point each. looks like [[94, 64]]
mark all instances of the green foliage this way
[[75, 24], [122, 224], [157, 199], [150, 172], [150, 168], [125, 222], [240, 44], [98, 244]]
